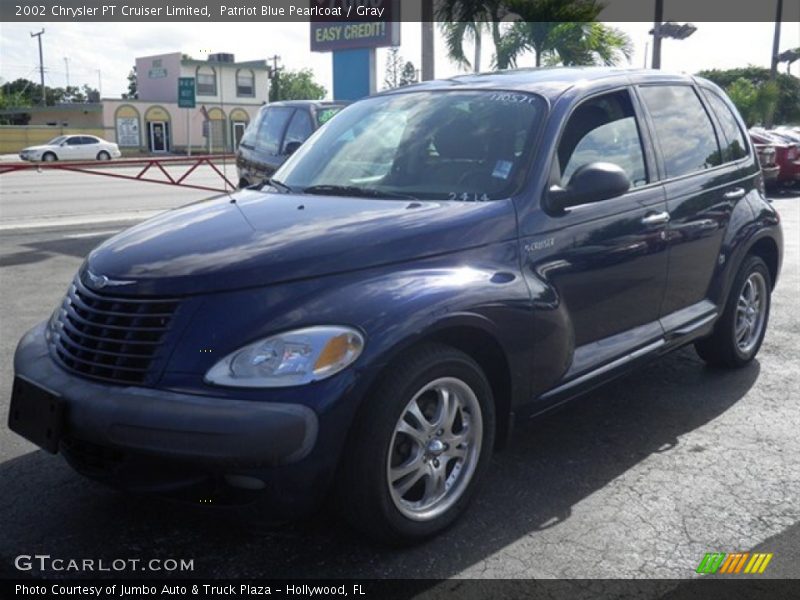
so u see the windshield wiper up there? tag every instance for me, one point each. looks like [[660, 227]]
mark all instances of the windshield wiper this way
[[277, 184], [354, 190]]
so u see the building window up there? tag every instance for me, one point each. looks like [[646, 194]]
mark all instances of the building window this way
[[206, 81], [245, 83]]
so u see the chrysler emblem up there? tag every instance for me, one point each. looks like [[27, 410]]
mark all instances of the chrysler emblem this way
[[101, 281]]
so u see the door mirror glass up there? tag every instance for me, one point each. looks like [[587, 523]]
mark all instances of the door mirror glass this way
[[590, 183]]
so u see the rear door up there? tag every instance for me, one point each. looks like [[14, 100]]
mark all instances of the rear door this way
[[704, 180]]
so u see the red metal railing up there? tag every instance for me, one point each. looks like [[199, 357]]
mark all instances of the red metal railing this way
[[107, 169]]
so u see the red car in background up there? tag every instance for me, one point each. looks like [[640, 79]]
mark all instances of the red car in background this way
[[787, 156]]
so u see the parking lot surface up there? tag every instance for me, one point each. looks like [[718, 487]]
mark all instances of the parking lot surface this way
[[637, 480]]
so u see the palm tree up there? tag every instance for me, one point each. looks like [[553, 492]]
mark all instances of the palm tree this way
[[466, 20], [556, 31], [569, 44], [455, 33]]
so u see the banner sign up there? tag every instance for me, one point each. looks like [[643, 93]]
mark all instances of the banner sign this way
[[368, 24]]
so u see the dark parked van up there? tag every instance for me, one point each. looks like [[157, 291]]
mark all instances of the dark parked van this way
[[435, 262], [275, 133]]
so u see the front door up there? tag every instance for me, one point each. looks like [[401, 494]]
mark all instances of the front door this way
[[158, 136], [606, 261], [238, 132]]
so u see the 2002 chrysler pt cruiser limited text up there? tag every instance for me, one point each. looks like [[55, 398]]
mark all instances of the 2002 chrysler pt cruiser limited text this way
[[431, 264]]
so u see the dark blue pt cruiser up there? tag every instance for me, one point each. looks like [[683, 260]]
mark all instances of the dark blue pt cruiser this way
[[430, 265]]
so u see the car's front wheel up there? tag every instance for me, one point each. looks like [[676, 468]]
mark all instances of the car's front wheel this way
[[49, 157], [419, 446], [738, 334]]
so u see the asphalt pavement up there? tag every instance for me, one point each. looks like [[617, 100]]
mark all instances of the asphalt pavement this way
[[637, 480]]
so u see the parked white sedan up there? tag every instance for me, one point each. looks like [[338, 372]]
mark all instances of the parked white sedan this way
[[72, 147]]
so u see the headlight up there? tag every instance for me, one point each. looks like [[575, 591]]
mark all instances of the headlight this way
[[292, 358]]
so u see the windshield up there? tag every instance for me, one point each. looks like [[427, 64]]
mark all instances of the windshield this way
[[467, 146], [56, 140]]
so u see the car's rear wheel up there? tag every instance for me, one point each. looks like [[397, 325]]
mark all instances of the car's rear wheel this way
[[740, 330], [103, 155], [419, 447], [49, 157]]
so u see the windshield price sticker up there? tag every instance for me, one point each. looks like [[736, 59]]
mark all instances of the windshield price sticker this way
[[468, 196], [512, 98]]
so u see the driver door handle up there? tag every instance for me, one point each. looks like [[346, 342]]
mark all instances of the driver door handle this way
[[658, 218], [734, 194]]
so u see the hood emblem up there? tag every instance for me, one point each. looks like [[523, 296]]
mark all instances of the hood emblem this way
[[101, 281]]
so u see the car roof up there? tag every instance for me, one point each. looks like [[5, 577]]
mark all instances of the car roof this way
[[550, 82], [314, 103]]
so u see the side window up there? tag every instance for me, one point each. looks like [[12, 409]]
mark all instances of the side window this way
[[735, 144], [75, 141], [326, 114], [603, 129], [89, 140], [251, 132], [271, 129], [683, 128], [300, 128]]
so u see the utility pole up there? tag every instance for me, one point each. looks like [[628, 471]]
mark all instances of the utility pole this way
[[66, 64], [776, 41], [99, 85], [41, 64], [658, 20], [427, 40], [273, 75], [776, 48]]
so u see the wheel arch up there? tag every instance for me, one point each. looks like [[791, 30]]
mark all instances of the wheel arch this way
[[767, 249], [476, 336]]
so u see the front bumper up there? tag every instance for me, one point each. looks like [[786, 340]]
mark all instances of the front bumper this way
[[218, 433]]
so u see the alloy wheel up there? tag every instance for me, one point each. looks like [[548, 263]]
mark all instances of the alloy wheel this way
[[434, 449], [751, 309]]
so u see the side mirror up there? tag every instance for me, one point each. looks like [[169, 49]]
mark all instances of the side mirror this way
[[292, 147], [590, 183]]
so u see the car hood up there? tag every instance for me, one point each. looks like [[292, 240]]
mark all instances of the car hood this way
[[36, 148], [258, 238]]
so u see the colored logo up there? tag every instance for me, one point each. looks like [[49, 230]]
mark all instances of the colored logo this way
[[735, 563]]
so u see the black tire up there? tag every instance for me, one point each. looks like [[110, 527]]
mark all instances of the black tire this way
[[720, 349], [363, 486], [103, 155], [49, 157]]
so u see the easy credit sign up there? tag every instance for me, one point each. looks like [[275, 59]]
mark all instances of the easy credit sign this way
[[186, 92], [370, 24]]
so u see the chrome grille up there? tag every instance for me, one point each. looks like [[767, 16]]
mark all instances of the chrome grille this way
[[111, 338]]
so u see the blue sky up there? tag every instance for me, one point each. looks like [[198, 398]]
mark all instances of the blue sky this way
[[112, 47]]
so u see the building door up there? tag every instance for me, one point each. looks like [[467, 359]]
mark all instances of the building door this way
[[158, 136], [238, 132]]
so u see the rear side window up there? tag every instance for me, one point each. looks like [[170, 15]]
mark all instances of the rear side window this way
[[683, 128], [270, 131], [734, 146], [300, 128], [603, 129]]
